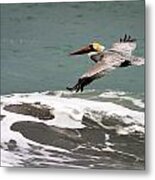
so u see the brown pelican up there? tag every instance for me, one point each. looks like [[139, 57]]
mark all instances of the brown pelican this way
[[119, 55]]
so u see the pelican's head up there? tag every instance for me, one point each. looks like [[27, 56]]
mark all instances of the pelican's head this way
[[92, 48]]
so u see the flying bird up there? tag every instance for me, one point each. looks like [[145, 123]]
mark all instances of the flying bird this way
[[106, 60]]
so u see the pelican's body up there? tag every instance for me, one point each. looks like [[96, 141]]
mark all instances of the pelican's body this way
[[119, 55]]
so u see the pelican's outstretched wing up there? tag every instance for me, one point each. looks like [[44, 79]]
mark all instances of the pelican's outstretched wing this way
[[119, 55], [109, 62], [125, 46]]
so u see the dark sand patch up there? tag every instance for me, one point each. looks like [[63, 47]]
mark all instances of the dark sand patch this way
[[12, 145], [41, 133], [1, 117], [59, 137], [30, 109]]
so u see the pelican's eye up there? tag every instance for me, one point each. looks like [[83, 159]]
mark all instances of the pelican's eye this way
[[91, 47]]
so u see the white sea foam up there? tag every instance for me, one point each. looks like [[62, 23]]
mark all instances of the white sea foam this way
[[112, 94], [68, 113], [136, 102], [122, 95]]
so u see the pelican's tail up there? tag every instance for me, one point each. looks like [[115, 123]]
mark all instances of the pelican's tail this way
[[137, 61]]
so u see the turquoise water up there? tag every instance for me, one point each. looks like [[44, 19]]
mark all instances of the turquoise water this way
[[36, 40]]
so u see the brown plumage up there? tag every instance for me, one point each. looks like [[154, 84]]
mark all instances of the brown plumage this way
[[119, 55]]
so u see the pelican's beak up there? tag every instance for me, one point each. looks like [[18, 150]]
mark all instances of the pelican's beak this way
[[93, 47], [84, 50]]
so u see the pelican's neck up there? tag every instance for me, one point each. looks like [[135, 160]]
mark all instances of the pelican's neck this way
[[92, 54], [95, 56]]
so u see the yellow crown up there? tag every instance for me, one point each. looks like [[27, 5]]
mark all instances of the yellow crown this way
[[97, 46]]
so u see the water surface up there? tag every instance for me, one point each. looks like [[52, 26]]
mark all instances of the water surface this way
[[36, 40]]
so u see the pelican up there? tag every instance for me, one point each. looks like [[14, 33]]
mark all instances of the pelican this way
[[106, 60]]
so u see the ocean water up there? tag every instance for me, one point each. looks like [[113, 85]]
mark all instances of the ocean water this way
[[44, 125], [36, 40]]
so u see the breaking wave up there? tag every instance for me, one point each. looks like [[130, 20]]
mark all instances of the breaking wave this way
[[93, 129]]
